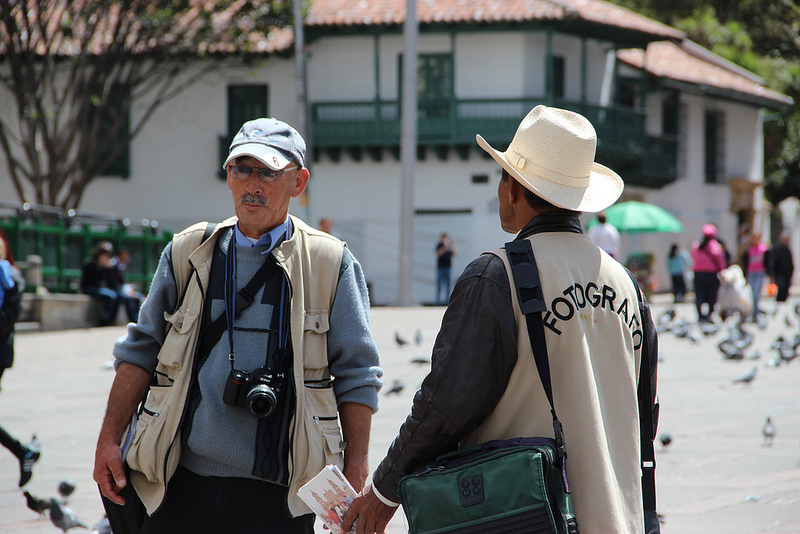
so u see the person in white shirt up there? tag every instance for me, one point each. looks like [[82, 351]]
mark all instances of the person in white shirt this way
[[605, 236]]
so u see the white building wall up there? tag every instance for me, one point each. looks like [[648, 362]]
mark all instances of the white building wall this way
[[689, 198], [174, 162]]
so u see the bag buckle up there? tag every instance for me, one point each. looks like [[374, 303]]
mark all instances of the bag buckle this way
[[561, 449]]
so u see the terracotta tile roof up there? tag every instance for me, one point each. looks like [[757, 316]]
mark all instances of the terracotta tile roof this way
[[692, 64], [51, 40], [378, 12]]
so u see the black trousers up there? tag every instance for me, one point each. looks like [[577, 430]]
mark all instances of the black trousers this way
[[11, 443], [196, 504]]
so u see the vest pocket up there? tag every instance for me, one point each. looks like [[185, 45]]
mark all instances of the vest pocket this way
[[315, 340], [147, 451], [181, 323], [321, 421]]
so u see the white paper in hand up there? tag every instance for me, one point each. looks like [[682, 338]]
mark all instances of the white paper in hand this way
[[329, 495]]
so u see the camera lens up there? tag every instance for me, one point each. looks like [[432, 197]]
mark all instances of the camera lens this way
[[261, 400]]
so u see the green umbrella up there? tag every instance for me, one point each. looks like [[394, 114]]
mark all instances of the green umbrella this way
[[640, 218]]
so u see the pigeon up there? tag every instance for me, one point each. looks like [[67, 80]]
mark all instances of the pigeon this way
[[779, 342], [103, 526], [693, 335], [664, 321], [748, 378], [65, 488], [399, 339], [769, 432], [39, 506], [667, 315], [709, 329], [681, 330], [418, 336], [786, 351], [64, 518], [397, 387], [666, 440], [420, 360]]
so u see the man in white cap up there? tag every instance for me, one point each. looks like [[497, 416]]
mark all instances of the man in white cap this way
[[255, 342], [595, 330]]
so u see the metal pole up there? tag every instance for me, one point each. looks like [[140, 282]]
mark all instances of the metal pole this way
[[408, 157], [302, 100]]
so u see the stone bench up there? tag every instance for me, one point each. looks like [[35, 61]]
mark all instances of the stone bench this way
[[62, 311]]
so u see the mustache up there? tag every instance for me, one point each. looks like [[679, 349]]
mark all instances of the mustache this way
[[250, 198]]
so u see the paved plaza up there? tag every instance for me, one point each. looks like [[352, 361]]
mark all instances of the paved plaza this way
[[716, 476]]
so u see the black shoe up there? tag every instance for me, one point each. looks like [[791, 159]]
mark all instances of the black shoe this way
[[26, 465]]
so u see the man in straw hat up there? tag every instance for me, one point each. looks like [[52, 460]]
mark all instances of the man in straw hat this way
[[483, 384]]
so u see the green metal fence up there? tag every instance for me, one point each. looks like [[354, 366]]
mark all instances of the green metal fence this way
[[64, 240]]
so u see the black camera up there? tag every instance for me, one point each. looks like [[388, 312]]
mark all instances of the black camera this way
[[257, 391]]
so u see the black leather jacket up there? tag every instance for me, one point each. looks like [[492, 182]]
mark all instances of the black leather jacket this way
[[473, 357]]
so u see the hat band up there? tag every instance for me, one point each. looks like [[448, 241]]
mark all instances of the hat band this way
[[561, 179]]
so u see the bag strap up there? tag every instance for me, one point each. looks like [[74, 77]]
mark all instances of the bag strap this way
[[646, 434], [531, 303]]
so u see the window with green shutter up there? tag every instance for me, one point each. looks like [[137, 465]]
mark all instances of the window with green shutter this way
[[714, 147], [113, 134], [559, 75], [435, 85], [245, 103]]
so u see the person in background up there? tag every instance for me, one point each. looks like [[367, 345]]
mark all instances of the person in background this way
[[780, 265], [605, 236], [98, 281], [742, 244], [11, 287], [482, 384], [708, 259], [756, 269], [326, 225], [444, 265], [130, 299], [679, 264]]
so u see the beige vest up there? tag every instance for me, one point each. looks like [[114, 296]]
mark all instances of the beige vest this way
[[154, 452], [593, 336]]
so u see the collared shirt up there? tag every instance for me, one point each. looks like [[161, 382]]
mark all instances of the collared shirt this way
[[270, 240]]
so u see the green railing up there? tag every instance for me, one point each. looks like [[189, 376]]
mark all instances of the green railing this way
[[63, 242], [378, 122], [622, 140]]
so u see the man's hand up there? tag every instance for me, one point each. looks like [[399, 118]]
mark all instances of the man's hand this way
[[371, 513], [130, 384], [109, 472]]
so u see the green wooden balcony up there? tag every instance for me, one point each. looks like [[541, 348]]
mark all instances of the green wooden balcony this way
[[450, 125]]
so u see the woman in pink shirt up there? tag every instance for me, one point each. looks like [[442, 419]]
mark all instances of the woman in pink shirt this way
[[708, 258], [756, 269]]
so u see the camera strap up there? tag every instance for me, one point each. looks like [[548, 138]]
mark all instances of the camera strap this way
[[244, 298]]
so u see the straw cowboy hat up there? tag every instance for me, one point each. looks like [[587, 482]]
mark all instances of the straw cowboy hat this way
[[552, 154]]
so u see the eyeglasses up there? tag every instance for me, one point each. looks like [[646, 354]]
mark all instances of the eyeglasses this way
[[265, 174]]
